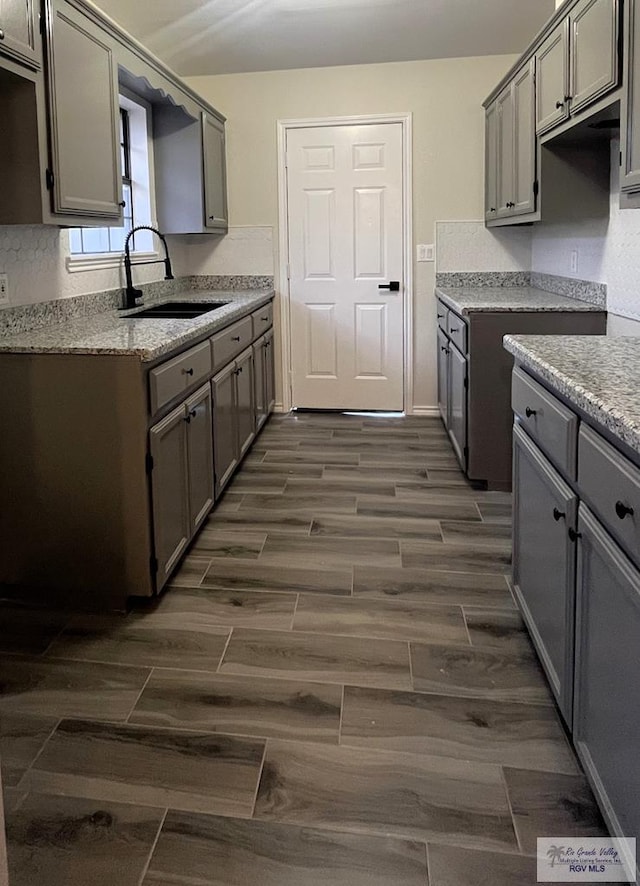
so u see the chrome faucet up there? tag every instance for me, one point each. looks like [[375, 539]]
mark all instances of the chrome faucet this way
[[131, 294]]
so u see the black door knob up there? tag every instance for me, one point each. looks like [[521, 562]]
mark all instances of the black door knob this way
[[623, 510], [394, 286]]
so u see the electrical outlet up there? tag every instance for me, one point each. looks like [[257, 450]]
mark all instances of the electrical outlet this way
[[574, 261], [425, 252], [4, 289]]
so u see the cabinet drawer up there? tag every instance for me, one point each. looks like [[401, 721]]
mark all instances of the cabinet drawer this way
[[230, 342], [610, 483], [547, 421], [176, 376], [457, 331], [442, 316], [262, 320]]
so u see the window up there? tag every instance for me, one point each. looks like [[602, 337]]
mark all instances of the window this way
[[102, 247]]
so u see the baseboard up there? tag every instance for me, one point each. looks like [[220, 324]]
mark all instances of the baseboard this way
[[279, 408], [425, 411]]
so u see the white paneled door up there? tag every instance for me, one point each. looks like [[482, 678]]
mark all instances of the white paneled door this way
[[345, 219]]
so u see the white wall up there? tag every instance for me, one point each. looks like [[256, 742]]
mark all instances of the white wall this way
[[608, 252], [445, 97]]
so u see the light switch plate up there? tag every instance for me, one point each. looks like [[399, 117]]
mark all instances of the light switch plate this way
[[4, 289], [425, 252]]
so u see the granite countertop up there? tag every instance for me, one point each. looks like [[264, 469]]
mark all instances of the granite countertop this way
[[598, 373], [120, 333], [470, 300]]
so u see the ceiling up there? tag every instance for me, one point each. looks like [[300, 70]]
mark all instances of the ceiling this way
[[232, 36]]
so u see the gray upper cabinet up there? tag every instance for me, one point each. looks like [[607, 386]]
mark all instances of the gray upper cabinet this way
[[524, 141], [552, 79], [200, 455], [20, 32], [544, 509], [215, 173], [491, 162], [510, 163], [595, 61], [171, 521], [84, 117], [606, 713], [630, 128]]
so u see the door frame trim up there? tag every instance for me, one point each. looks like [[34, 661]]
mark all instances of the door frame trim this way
[[406, 120]]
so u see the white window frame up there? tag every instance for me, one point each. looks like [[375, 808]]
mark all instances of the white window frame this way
[[143, 193]]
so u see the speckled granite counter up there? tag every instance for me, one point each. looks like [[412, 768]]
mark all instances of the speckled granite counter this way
[[120, 333], [469, 300], [599, 374]]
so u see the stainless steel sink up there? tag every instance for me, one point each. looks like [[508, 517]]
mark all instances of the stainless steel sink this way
[[176, 310]]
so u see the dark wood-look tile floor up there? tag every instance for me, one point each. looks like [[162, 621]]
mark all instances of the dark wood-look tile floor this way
[[336, 689]]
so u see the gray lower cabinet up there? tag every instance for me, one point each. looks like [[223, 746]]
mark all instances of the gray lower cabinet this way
[[199, 450], [544, 509], [264, 379], [245, 410], [215, 173], [443, 375], [457, 409], [85, 178], [607, 714], [225, 431], [20, 32], [170, 491], [182, 478]]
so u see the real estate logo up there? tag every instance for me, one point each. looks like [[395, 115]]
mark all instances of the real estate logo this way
[[586, 860]]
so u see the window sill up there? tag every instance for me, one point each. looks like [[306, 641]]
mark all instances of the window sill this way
[[101, 262]]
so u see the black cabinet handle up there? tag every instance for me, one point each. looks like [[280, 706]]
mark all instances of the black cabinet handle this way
[[264, 319], [187, 419], [623, 510], [558, 515], [446, 350], [530, 412], [188, 371], [559, 105], [122, 204], [235, 338], [193, 413], [573, 535], [493, 209], [238, 370], [454, 329], [440, 316]]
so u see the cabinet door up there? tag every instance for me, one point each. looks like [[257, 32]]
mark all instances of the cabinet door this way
[[630, 129], [544, 509], [215, 173], [457, 410], [491, 162], [270, 373], [200, 454], [524, 164], [552, 79], [19, 31], [443, 376], [607, 711], [244, 401], [505, 173], [170, 491], [225, 426], [84, 117], [259, 381], [595, 63]]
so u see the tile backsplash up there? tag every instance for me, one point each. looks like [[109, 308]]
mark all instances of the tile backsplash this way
[[35, 259], [467, 246]]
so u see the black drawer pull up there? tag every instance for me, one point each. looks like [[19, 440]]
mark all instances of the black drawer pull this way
[[193, 413], [264, 319], [558, 515], [530, 412], [188, 371], [187, 419], [440, 316], [446, 350], [238, 370], [454, 329], [235, 338], [573, 535], [623, 510]]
